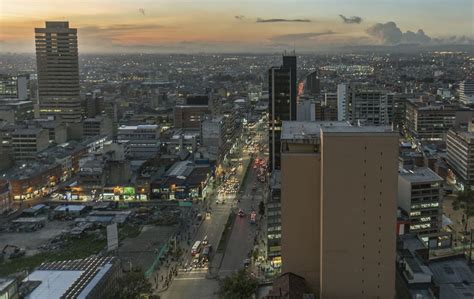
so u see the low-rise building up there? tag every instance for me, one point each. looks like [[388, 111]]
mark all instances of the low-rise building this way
[[32, 179], [185, 180], [93, 278], [419, 196]]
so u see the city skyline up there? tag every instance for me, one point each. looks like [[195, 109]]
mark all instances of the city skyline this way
[[225, 26]]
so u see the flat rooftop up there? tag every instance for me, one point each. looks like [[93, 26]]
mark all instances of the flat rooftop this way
[[309, 130], [420, 175]]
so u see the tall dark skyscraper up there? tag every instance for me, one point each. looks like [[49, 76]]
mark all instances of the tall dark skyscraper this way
[[58, 71], [282, 104]]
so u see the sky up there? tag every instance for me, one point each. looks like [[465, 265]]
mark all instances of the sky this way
[[238, 25]]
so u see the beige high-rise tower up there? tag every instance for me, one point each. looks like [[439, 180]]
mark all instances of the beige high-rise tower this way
[[58, 71], [339, 188]]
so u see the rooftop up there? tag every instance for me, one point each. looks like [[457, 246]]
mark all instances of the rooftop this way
[[420, 175], [309, 130], [69, 279]]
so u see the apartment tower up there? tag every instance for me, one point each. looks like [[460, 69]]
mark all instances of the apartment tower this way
[[338, 210]]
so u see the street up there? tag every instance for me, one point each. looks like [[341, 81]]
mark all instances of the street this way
[[201, 282], [243, 232]]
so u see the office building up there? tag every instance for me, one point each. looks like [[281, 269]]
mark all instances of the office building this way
[[16, 111], [58, 71], [14, 87], [94, 104], [27, 143], [312, 85], [338, 207], [143, 140], [281, 105], [429, 120], [460, 150], [189, 116], [419, 196], [98, 125], [362, 103], [466, 91]]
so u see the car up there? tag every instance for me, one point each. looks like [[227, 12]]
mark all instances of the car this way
[[241, 213], [246, 263]]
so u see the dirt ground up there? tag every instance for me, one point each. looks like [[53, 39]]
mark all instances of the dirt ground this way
[[31, 241]]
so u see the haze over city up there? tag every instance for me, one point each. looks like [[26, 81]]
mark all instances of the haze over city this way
[[240, 26]]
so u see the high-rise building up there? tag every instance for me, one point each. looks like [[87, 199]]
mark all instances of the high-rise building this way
[[338, 207], [312, 83], [419, 196], [466, 91], [363, 103], [460, 150], [58, 71], [282, 104]]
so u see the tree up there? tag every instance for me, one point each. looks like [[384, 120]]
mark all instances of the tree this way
[[261, 208], [132, 285], [465, 201], [240, 285]]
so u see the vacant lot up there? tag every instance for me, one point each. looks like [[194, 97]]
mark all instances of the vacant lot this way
[[31, 241]]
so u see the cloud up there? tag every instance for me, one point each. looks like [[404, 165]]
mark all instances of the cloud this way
[[387, 33], [390, 34], [260, 20], [117, 28], [418, 37], [299, 37], [351, 20], [239, 17]]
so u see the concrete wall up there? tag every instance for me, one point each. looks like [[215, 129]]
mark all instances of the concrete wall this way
[[300, 215], [358, 208]]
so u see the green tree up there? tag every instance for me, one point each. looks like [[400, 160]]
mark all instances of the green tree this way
[[261, 208], [132, 285], [240, 285], [465, 201]]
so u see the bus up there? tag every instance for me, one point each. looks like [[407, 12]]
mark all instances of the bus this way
[[195, 248], [205, 252]]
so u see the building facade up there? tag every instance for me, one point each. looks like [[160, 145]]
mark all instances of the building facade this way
[[419, 196], [466, 91], [143, 140], [460, 150], [338, 190], [429, 121], [58, 71], [282, 104], [363, 103], [27, 143]]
